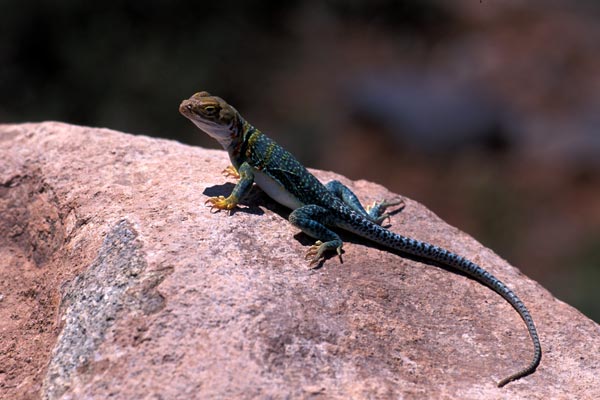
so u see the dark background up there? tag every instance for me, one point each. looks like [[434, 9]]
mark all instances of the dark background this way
[[487, 112]]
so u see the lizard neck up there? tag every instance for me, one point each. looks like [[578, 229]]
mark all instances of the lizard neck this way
[[228, 135], [241, 133]]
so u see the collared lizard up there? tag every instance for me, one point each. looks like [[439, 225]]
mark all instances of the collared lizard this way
[[316, 207]]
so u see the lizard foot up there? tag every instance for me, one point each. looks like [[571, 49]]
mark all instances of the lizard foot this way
[[377, 209], [230, 171], [221, 203], [315, 253]]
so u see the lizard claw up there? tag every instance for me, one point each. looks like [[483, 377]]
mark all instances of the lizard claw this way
[[370, 206], [385, 204], [230, 171], [380, 207], [381, 219], [315, 252], [220, 203], [398, 201]]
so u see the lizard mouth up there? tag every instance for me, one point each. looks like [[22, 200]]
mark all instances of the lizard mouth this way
[[186, 108]]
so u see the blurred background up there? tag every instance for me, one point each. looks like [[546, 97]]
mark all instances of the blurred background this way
[[487, 112]]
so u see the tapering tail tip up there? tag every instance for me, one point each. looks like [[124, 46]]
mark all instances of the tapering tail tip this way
[[526, 371]]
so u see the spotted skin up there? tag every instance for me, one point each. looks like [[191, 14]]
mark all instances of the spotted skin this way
[[316, 208]]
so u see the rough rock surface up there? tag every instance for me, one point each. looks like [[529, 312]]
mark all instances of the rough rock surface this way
[[115, 280]]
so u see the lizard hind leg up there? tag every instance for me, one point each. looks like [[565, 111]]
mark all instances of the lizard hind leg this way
[[377, 210], [312, 220], [374, 213]]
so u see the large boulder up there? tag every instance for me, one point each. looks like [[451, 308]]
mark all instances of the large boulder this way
[[117, 281]]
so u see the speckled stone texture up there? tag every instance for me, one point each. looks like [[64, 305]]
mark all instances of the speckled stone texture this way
[[116, 280]]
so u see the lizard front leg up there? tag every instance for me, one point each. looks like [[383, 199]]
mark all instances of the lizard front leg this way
[[241, 188], [374, 213], [311, 219]]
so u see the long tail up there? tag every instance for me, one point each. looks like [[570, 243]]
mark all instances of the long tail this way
[[422, 249]]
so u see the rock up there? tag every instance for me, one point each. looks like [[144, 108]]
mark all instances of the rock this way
[[117, 281]]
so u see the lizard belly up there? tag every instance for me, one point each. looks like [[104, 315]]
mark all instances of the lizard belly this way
[[276, 191]]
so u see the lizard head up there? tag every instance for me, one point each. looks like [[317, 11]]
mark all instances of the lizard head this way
[[213, 115]]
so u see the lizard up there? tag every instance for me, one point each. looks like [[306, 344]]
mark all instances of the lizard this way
[[317, 207]]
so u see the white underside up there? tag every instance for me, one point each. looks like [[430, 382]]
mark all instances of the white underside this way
[[221, 134], [276, 191]]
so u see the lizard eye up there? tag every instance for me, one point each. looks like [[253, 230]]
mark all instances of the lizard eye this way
[[210, 109]]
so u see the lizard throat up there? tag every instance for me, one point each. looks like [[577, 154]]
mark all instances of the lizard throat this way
[[222, 134]]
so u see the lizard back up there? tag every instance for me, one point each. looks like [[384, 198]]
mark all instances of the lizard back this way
[[279, 174]]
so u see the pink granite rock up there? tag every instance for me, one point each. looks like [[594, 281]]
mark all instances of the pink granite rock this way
[[116, 281]]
